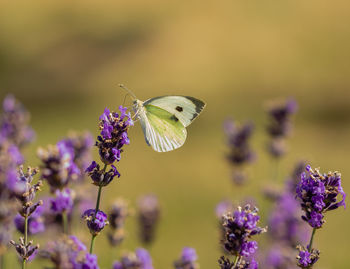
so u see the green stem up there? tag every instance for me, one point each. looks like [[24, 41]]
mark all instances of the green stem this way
[[25, 239], [98, 200], [311, 239], [92, 243], [65, 222], [235, 261]]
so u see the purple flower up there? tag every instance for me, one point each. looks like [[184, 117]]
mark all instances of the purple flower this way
[[14, 121], [280, 114], [15, 155], [188, 259], [238, 229], [319, 193], [113, 135], [249, 248], [35, 222], [117, 217], [25, 251], [307, 259], [90, 262], [138, 260], [78, 145], [280, 125], [95, 222], [238, 141], [144, 258], [101, 177], [63, 202], [285, 224], [70, 252], [148, 216], [58, 167], [25, 191]]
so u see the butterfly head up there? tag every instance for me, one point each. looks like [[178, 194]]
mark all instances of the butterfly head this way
[[137, 106]]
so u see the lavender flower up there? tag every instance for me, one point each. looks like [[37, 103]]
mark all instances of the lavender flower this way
[[238, 140], [286, 229], [280, 125], [58, 167], [279, 257], [285, 225], [35, 222], [239, 227], [79, 145], [138, 260], [14, 121], [188, 259], [24, 190], [25, 250], [318, 193], [307, 259], [117, 218], [114, 134], [240, 152], [63, 202], [149, 213], [69, 253], [101, 177], [95, 221]]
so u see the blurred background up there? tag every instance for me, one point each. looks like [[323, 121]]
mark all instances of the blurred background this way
[[64, 59]]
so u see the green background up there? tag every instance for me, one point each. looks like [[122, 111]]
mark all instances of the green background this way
[[64, 59]]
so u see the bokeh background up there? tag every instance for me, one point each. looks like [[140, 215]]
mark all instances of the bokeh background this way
[[64, 59]]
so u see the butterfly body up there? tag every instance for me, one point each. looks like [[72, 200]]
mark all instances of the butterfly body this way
[[163, 120]]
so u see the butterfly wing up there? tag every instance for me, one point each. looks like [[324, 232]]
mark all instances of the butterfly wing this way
[[163, 130], [185, 108]]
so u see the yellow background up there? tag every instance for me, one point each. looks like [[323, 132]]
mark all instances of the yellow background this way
[[64, 59]]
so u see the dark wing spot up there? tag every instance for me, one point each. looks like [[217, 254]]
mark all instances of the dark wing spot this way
[[179, 108], [174, 118]]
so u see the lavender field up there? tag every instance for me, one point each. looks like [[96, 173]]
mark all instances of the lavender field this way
[[275, 80]]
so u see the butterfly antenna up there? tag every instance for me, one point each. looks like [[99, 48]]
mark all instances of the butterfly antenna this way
[[128, 91]]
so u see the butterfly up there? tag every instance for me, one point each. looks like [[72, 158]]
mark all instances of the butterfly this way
[[164, 119]]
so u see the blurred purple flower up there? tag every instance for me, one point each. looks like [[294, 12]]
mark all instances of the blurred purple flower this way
[[35, 222], [148, 216], [188, 259], [58, 167], [63, 202], [138, 260], [69, 253], [117, 217], [79, 146], [238, 141], [14, 122], [280, 125]]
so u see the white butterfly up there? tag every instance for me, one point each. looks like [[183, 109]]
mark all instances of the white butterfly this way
[[163, 119]]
